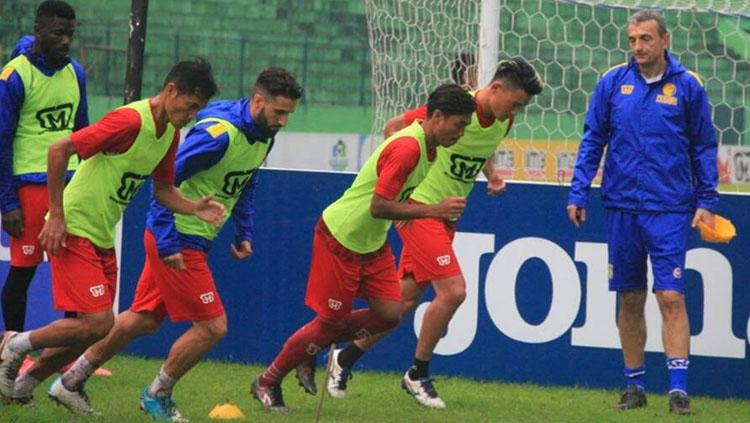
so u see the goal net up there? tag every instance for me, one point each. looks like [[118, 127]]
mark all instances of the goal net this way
[[417, 44]]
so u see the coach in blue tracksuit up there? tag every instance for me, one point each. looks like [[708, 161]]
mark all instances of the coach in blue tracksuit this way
[[660, 177]]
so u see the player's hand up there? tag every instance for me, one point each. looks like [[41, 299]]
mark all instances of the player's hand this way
[[174, 261], [576, 214], [703, 215], [53, 234], [210, 211], [244, 251], [451, 208], [495, 184], [13, 223]]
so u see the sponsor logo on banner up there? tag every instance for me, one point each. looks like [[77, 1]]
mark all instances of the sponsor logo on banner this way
[[97, 290], [741, 165], [334, 304], [504, 162], [533, 164], [564, 162], [572, 292], [207, 297], [339, 160]]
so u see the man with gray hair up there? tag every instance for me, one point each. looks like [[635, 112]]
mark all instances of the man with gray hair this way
[[660, 178]]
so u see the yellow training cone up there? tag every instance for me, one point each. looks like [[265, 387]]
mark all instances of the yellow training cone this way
[[226, 411], [723, 230]]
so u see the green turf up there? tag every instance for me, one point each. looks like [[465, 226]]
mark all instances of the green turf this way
[[373, 397]]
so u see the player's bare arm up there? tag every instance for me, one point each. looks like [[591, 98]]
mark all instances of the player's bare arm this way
[[53, 233], [393, 125], [450, 208], [204, 208], [495, 182]]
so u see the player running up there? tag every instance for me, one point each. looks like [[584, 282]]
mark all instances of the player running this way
[[350, 255], [119, 153], [427, 257]]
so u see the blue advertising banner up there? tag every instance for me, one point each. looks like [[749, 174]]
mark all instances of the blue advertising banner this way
[[537, 307]]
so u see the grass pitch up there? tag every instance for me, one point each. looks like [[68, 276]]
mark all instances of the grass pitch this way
[[372, 397]]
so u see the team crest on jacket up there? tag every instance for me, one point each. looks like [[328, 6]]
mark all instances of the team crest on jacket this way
[[667, 96], [626, 89]]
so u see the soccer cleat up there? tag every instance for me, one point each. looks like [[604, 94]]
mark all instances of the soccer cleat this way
[[338, 377], [76, 401], [10, 363], [306, 376], [28, 361], [270, 397], [160, 407], [423, 391], [679, 403], [632, 398]]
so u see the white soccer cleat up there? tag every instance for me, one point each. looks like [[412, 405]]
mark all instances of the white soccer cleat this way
[[75, 401], [10, 363], [338, 377], [423, 391]]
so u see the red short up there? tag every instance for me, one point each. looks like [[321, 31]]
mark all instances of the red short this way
[[25, 250], [188, 295], [84, 276], [338, 275], [427, 253]]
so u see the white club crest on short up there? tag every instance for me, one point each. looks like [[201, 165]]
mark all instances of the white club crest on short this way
[[444, 260], [207, 297], [97, 290], [677, 273], [334, 304], [28, 249]]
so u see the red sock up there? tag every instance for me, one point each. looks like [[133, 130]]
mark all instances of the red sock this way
[[307, 341], [363, 324]]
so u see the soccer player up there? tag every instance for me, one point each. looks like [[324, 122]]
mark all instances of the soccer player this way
[[219, 157], [119, 152], [350, 255], [427, 257], [42, 98], [660, 177]]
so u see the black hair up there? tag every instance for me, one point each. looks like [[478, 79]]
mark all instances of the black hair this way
[[451, 99], [278, 82], [519, 74], [460, 67], [54, 9], [193, 77]]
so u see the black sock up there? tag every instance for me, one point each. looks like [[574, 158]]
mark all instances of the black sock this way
[[419, 370], [14, 297], [349, 355]]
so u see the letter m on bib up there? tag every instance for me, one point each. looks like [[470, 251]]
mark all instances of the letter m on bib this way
[[464, 167], [234, 182], [56, 118], [129, 185]]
